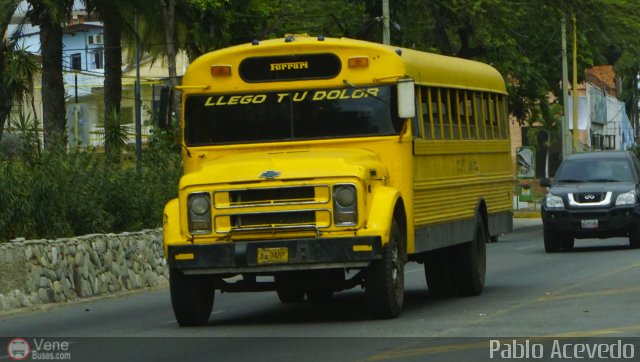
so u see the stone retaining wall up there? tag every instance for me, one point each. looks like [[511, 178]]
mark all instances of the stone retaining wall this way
[[35, 272]]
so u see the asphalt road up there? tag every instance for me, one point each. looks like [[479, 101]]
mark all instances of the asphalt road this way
[[592, 291]]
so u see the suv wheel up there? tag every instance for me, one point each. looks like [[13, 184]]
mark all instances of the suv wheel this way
[[551, 242]]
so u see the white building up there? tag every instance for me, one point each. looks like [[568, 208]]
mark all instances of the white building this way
[[83, 73]]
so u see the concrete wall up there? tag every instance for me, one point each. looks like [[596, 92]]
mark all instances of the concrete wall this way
[[35, 272]]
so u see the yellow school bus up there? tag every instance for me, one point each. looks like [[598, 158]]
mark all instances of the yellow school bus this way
[[313, 165]]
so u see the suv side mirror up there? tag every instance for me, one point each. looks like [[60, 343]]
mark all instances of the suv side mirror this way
[[545, 182]]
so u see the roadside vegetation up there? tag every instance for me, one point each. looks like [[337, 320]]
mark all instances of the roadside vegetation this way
[[52, 194]]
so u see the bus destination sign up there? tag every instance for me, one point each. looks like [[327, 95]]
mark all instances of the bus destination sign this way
[[290, 67]]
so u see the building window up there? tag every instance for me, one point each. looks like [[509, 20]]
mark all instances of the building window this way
[[98, 57], [76, 61]]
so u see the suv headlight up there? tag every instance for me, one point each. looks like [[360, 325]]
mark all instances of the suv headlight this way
[[199, 208], [345, 205], [554, 202], [628, 198]]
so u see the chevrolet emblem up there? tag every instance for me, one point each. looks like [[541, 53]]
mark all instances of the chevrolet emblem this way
[[270, 174]]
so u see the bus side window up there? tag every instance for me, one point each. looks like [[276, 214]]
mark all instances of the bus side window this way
[[436, 114], [416, 122], [427, 112], [480, 111], [470, 115], [502, 110], [441, 113], [455, 114], [491, 116]]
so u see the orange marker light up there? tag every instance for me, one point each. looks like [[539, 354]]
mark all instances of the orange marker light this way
[[358, 62], [221, 70]]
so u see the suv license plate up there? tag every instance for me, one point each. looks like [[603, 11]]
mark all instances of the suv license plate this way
[[590, 224], [273, 255]]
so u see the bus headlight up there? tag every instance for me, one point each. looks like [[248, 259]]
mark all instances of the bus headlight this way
[[345, 205], [199, 206]]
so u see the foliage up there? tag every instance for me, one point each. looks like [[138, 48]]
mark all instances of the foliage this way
[[115, 136], [55, 194], [18, 68]]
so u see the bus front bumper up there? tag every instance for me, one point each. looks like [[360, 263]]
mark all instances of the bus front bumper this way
[[275, 255]]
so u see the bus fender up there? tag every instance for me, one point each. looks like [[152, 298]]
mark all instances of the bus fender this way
[[171, 224], [382, 208]]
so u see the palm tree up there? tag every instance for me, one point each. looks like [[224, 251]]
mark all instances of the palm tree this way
[[18, 68], [49, 15], [548, 118]]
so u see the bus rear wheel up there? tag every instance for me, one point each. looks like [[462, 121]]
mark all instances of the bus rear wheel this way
[[439, 273], [191, 297], [471, 262], [384, 280]]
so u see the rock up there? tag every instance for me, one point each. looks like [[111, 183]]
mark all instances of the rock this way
[[28, 252], [44, 283], [43, 296], [49, 274], [57, 287], [36, 251], [54, 255], [79, 259]]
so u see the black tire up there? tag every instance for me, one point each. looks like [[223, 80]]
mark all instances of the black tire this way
[[439, 273], [384, 280], [291, 296], [471, 262], [319, 296], [634, 238], [567, 243], [191, 297], [552, 242]]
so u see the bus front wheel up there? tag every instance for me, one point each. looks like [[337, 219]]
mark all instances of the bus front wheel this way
[[384, 280], [191, 298]]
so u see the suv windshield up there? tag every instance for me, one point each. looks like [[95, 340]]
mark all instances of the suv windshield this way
[[290, 115], [595, 170]]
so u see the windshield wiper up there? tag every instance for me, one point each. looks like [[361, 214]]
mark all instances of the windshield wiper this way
[[602, 180], [370, 94], [570, 180]]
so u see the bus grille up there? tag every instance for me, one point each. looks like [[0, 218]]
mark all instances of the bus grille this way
[[274, 219], [295, 207], [272, 196]]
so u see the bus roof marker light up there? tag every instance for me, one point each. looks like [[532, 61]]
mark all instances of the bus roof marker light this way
[[358, 62], [221, 70], [288, 39], [320, 37], [399, 51], [255, 42]]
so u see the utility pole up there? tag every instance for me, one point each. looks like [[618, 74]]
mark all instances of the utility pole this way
[[565, 93], [575, 86], [386, 32], [138, 102]]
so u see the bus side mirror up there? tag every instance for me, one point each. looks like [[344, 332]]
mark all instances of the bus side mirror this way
[[406, 98]]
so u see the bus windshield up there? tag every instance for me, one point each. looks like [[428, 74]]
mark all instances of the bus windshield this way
[[291, 115]]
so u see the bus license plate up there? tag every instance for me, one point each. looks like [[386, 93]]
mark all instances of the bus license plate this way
[[590, 224], [273, 255]]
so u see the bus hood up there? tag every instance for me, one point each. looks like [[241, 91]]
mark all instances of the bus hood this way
[[287, 165]]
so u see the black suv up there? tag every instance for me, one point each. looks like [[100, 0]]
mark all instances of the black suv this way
[[594, 195]]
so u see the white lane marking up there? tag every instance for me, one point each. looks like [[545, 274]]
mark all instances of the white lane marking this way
[[526, 247]]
